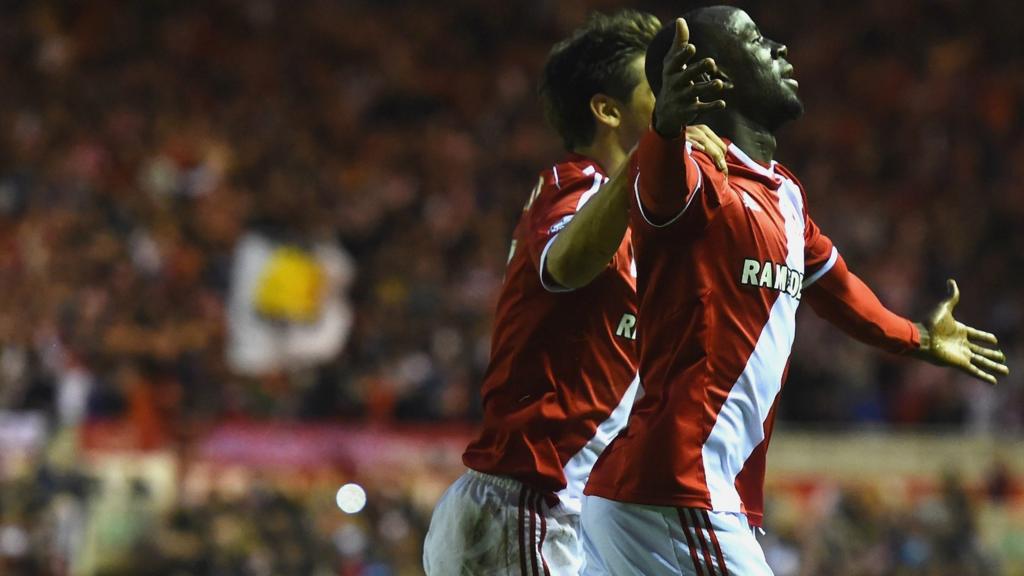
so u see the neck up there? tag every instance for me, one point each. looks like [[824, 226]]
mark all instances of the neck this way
[[606, 151], [754, 139]]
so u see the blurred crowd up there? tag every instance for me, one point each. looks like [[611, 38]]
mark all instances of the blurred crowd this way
[[139, 143], [57, 522], [855, 531]]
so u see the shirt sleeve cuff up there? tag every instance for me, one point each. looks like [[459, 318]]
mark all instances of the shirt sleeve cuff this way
[[545, 281]]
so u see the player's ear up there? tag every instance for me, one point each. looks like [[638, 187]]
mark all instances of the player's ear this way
[[606, 110]]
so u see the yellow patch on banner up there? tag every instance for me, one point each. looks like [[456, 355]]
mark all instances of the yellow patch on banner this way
[[291, 286]]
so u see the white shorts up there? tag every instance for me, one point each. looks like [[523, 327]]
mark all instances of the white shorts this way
[[621, 538], [487, 525]]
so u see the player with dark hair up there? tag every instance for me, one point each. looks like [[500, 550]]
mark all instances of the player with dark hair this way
[[562, 372], [723, 264]]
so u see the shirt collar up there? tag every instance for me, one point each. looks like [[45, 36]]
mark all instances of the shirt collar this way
[[573, 157], [767, 172]]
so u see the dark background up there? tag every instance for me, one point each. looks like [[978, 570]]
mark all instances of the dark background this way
[[139, 140]]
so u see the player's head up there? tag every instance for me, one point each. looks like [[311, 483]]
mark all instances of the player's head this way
[[594, 81], [764, 89]]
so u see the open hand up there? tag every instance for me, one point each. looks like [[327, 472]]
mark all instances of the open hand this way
[[704, 139], [686, 90], [946, 342]]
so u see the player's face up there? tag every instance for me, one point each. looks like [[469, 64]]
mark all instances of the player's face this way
[[765, 89], [637, 117]]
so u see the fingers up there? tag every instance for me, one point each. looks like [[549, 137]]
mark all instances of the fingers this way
[[708, 87], [703, 91], [704, 139], [681, 50], [975, 334], [677, 57], [954, 292], [988, 365], [716, 149], [678, 72], [714, 139], [996, 355], [977, 373], [693, 73], [945, 308], [682, 32], [684, 92], [699, 107], [697, 137]]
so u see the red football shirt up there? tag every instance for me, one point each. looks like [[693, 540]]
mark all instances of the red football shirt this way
[[719, 285], [561, 377]]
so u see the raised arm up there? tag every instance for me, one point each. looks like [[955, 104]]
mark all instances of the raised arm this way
[[586, 245], [664, 169], [584, 248]]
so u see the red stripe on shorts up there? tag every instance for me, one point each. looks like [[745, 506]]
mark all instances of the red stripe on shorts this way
[[703, 541], [522, 539], [714, 540], [533, 533], [543, 532], [689, 542]]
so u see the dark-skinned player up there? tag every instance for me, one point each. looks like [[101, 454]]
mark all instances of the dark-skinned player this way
[[723, 264]]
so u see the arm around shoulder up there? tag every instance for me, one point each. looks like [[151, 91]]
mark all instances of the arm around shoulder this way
[[583, 249]]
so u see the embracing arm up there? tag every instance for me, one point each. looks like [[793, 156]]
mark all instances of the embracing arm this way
[[586, 245]]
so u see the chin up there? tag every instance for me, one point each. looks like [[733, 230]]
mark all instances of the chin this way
[[794, 108], [786, 111]]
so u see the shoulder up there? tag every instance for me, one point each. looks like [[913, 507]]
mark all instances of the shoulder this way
[[566, 181], [788, 174], [708, 171], [570, 173]]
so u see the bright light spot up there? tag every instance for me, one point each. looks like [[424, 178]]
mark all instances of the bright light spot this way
[[351, 498]]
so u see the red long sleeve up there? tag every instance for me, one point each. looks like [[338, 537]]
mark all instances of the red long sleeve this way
[[664, 185], [844, 300]]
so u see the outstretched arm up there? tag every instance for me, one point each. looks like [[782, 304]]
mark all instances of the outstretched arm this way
[[845, 301], [586, 245]]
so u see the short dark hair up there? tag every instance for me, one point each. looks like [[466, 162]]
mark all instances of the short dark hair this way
[[594, 60]]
